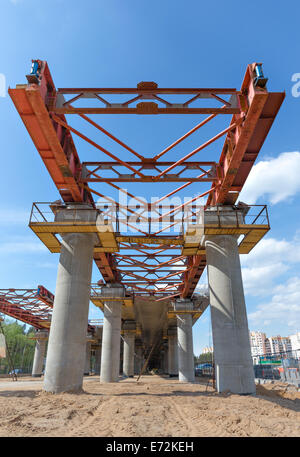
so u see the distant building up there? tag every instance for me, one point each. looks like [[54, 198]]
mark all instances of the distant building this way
[[208, 350], [278, 345], [261, 346], [295, 343], [257, 343]]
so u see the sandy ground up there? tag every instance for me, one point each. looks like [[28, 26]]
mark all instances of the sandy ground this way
[[153, 406]]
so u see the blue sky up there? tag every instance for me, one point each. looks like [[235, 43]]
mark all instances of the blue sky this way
[[181, 44]]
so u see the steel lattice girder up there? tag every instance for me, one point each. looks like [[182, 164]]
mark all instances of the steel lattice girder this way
[[43, 109], [31, 306]]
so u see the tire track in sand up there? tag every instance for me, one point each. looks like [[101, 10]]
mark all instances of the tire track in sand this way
[[87, 423], [179, 414]]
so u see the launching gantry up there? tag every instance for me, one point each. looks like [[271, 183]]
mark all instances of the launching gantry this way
[[34, 307], [151, 255]]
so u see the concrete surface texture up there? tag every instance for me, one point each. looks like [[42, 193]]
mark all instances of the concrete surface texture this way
[[232, 353], [111, 337], [67, 338], [39, 353], [186, 366]]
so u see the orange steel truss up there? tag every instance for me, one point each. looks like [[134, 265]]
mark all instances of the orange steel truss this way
[[149, 260], [31, 306]]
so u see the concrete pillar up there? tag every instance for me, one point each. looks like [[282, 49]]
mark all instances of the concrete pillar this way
[[129, 328], [39, 353], [110, 354], [165, 360], [87, 366], [97, 359], [232, 354], [67, 338], [98, 336], [138, 358], [172, 352], [186, 370]]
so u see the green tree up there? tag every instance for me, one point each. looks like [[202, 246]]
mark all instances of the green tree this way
[[19, 345]]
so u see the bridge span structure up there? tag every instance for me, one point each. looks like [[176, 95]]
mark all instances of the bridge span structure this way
[[150, 251]]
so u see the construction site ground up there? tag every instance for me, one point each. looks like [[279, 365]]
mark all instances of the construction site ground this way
[[152, 407]]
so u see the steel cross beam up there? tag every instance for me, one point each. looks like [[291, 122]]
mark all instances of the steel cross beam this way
[[55, 145], [31, 306], [43, 109], [146, 91]]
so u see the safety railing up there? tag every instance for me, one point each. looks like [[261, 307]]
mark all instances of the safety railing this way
[[151, 219]]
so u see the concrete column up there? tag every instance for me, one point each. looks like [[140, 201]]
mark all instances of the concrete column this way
[[98, 336], [161, 361], [98, 359], [165, 359], [138, 358], [128, 352], [110, 354], [87, 366], [186, 370], [172, 352], [67, 338], [232, 354], [39, 353]]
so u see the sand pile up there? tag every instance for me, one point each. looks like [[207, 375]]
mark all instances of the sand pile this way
[[154, 406]]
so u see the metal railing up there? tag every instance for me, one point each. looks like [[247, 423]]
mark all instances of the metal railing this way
[[149, 219]]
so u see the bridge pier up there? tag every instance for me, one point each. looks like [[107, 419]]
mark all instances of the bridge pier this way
[[111, 336], [232, 353], [129, 328], [98, 359], [87, 365], [165, 359], [39, 353], [67, 338], [138, 359], [172, 352], [186, 370]]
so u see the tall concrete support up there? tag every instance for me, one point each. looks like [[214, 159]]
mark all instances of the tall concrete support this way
[[67, 338], [87, 366], [186, 370], [232, 354], [98, 359], [110, 355], [172, 352], [98, 348], [165, 360], [138, 357], [39, 353], [129, 329]]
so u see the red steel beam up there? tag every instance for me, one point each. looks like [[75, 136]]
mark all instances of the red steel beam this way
[[239, 152], [31, 306], [55, 146], [253, 110]]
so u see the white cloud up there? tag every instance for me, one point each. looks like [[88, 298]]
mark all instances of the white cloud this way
[[276, 179], [260, 280], [202, 289], [22, 247], [267, 262], [282, 311], [13, 217]]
